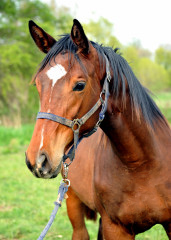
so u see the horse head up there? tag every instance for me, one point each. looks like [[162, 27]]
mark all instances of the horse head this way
[[69, 84]]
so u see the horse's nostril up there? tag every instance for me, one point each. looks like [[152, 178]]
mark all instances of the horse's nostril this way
[[43, 166], [41, 161]]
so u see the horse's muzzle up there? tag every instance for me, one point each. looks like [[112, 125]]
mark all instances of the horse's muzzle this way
[[42, 167]]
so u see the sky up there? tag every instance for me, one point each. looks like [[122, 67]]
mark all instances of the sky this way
[[148, 21]]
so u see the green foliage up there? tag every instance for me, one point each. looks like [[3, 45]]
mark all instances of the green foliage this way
[[134, 52], [101, 31], [163, 99], [163, 57], [150, 73], [19, 57]]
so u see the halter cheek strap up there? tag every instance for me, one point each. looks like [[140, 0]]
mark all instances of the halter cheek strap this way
[[77, 123], [74, 125]]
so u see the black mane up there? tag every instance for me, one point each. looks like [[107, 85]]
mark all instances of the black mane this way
[[140, 98]]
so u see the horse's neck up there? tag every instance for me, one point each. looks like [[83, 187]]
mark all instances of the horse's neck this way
[[132, 140]]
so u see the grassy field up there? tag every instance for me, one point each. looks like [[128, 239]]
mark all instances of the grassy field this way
[[26, 202]]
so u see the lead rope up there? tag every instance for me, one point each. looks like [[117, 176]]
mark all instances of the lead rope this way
[[63, 188]]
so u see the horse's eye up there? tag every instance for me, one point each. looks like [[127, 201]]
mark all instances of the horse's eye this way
[[79, 86]]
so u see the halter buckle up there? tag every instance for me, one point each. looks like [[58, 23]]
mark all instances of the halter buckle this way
[[101, 98], [99, 122], [76, 124]]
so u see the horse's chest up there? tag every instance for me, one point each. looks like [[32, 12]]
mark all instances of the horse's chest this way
[[139, 207], [137, 210]]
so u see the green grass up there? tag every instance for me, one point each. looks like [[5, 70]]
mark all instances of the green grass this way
[[15, 136], [27, 202]]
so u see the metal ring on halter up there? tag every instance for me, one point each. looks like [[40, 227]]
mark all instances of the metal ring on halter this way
[[76, 122], [67, 181], [102, 100]]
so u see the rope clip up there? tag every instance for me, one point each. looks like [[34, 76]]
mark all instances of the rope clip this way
[[66, 181], [65, 172]]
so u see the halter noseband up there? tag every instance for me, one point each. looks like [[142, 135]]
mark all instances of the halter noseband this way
[[77, 123]]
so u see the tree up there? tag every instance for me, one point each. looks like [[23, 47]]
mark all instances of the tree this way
[[101, 31], [130, 53], [163, 57], [152, 75], [19, 56]]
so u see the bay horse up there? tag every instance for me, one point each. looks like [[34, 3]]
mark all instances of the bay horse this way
[[123, 170]]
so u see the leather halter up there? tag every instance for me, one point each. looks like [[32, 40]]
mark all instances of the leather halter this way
[[77, 123]]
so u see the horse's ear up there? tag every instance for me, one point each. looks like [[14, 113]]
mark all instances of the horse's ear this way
[[42, 39], [79, 38]]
